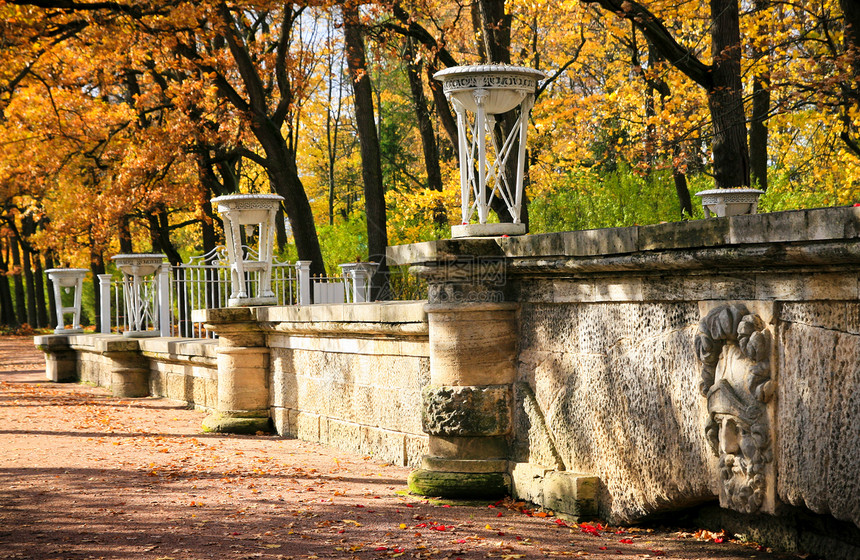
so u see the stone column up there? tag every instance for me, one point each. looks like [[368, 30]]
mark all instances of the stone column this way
[[467, 405], [242, 405], [60, 359]]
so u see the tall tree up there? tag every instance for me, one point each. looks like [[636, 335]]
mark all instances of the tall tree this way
[[374, 191], [721, 79]]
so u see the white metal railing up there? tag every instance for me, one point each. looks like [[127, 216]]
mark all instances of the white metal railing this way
[[204, 283]]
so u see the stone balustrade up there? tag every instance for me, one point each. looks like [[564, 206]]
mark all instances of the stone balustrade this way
[[622, 372]]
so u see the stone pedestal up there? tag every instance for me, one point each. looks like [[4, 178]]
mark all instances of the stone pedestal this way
[[129, 368], [242, 405], [60, 359], [467, 405], [129, 372]]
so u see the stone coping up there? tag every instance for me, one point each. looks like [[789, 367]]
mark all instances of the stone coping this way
[[798, 227], [107, 343], [373, 312]]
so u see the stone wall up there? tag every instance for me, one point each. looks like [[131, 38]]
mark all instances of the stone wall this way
[[351, 376], [617, 386], [624, 372], [819, 407], [182, 369], [679, 363], [176, 368]]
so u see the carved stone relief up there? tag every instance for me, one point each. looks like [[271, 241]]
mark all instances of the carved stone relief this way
[[734, 347]]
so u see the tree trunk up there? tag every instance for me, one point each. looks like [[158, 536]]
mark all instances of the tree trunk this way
[[35, 317], [284, 178], [443, 112], [159, 223], [52, 304], [7, 308], [20, 305], [280, 160], [97, 266], [371, 169], [658, 85], [425, 126], [30, 285], [721, 80], [681, 188], [495, 36], [41, 306], [495, 30], [850, 91], [725, 98], [124, 235], [758, 131]]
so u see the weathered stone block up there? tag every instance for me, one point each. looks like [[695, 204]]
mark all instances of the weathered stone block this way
[[383, 445], [466, 411], [343, 435], [464, 465], [468, 447], [458, 485], [473, 346], [227, 424], [818, 437], [305, 425], [417, 446], [60, 359], [281, 421]]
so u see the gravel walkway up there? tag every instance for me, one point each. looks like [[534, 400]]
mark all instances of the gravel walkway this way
[[84, 475]]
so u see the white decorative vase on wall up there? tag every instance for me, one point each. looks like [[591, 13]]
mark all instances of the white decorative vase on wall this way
[[66, 280], [729, 202], [484, 91], [140, 288], [358, 276], [251, 268]]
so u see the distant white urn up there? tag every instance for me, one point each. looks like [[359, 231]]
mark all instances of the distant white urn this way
[[729, 202], [251, 268], [358, 276], [67, 280], [486, 90]]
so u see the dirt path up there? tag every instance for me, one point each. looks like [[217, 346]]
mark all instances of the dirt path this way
[[87, 476]]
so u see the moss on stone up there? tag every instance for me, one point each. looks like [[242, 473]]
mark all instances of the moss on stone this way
[[232, 425], [458, 485]]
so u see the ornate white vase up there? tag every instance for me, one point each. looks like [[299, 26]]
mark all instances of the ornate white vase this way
[[484, 91]]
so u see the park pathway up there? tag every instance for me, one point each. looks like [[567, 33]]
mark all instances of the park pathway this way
[[84, 475]]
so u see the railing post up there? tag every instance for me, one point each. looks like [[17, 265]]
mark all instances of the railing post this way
[[164, 301], [104, 299], [304, 273]]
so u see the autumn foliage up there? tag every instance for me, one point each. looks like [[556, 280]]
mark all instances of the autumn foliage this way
[[121, 119]]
